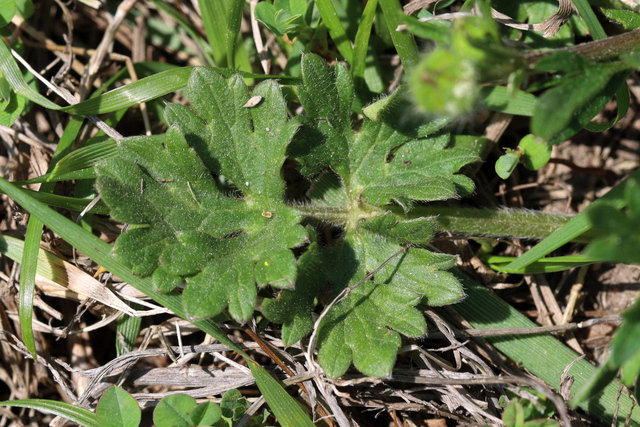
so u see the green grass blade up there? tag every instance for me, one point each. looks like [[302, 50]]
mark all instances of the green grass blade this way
[[336, 30], [572, 229], [84, 158], [403, 41], [286, 410], [9, 69], [596, 30], [134, 93], [28, 268], [358, 63], [100, 252], [213, 17], [127, 331], [74, 413], [542, 355], [543, 265], [32, 239]]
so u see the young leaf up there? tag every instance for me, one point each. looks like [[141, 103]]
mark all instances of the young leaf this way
[[223, 243]]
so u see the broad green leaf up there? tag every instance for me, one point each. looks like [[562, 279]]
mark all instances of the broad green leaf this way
[[117, 408], [76, 414], [7, 10], [365, 328], [388, 160], [174, 411], [223, 243], [536, 152], [281, 17], [629, 20], [205, 414]]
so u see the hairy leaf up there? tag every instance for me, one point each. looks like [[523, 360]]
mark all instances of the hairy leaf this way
[[392, 159], [206, 203]]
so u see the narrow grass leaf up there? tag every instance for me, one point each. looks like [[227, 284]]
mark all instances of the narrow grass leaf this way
[[213, 17], [127, 331], [336, 30], [234, 17], [596, 30], [572, 229], [284, 407], [542, 355], [403, 41], [543, 265], [73, 413], [29, 264], [9, 69], [358, 63]]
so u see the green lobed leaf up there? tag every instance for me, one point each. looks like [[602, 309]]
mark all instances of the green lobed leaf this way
[[365, 327], [186, 227], [393, 158], [117, 408]]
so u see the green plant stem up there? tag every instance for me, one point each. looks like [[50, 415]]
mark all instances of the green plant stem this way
[[461, 220], [494, 222], [595, 50]]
